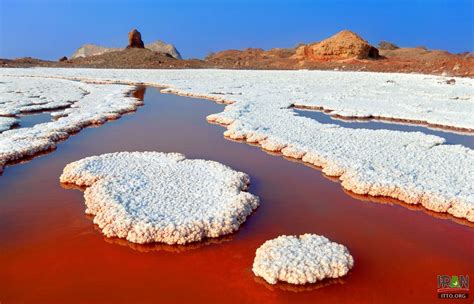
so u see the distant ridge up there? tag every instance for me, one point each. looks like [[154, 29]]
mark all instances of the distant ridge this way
[[344, 51]]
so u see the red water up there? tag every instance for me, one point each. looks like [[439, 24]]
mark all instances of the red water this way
[[50, 251]]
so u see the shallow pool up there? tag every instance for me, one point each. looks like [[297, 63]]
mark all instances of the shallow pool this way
[[451, 137], [52, 252]]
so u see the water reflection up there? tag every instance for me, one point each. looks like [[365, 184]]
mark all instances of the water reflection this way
[[392, 201], [157, 247], [139, 92], [29, 120], [301, 288], [452, 137]]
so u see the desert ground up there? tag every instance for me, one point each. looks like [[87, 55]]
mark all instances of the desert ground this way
[[344, 51]]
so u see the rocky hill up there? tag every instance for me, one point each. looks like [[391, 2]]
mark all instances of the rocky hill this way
[[140, 58], [277, 58], [92, 50], [344, 45]]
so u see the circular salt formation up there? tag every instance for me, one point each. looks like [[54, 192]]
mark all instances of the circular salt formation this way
[[307, 258], [158, 197]]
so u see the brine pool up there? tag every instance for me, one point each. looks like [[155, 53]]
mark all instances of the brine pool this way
[[50, 251]]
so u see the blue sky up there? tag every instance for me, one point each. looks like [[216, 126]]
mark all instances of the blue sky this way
[[50, 29]]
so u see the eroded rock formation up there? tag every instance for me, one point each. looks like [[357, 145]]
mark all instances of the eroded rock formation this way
[[135, 40], [344, 45]]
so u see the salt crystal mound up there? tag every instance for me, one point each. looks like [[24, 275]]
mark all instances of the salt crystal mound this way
[[7, 122], [161, 197], [301, 259], [87, 104], [410, 166]]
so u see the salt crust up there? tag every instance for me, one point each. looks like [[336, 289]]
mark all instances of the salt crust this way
[[7, 122], [410, 166], [301, 259], [20, 95], [86, 104], [161, 197], [414, 97]]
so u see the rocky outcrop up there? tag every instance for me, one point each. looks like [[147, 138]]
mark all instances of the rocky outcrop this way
[[344, 45], [88, 50], [130, 58], [135, 40], [92, 50], [162, 47], [384, 45]]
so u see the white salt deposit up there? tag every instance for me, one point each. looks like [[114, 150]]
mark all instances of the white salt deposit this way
[[28, 94], [414, 97], [411, 166], [158, 197], [7, 122], [301, 259], [86, 104]]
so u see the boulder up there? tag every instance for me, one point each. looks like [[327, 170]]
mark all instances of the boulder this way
[[343, 45], [135, 40], [64, 58]]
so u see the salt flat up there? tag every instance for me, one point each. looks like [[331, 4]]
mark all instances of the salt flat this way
[[415, 97], [411, 166], [21, 95]]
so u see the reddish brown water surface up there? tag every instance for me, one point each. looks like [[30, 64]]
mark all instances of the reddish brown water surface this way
[[52, 253]]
